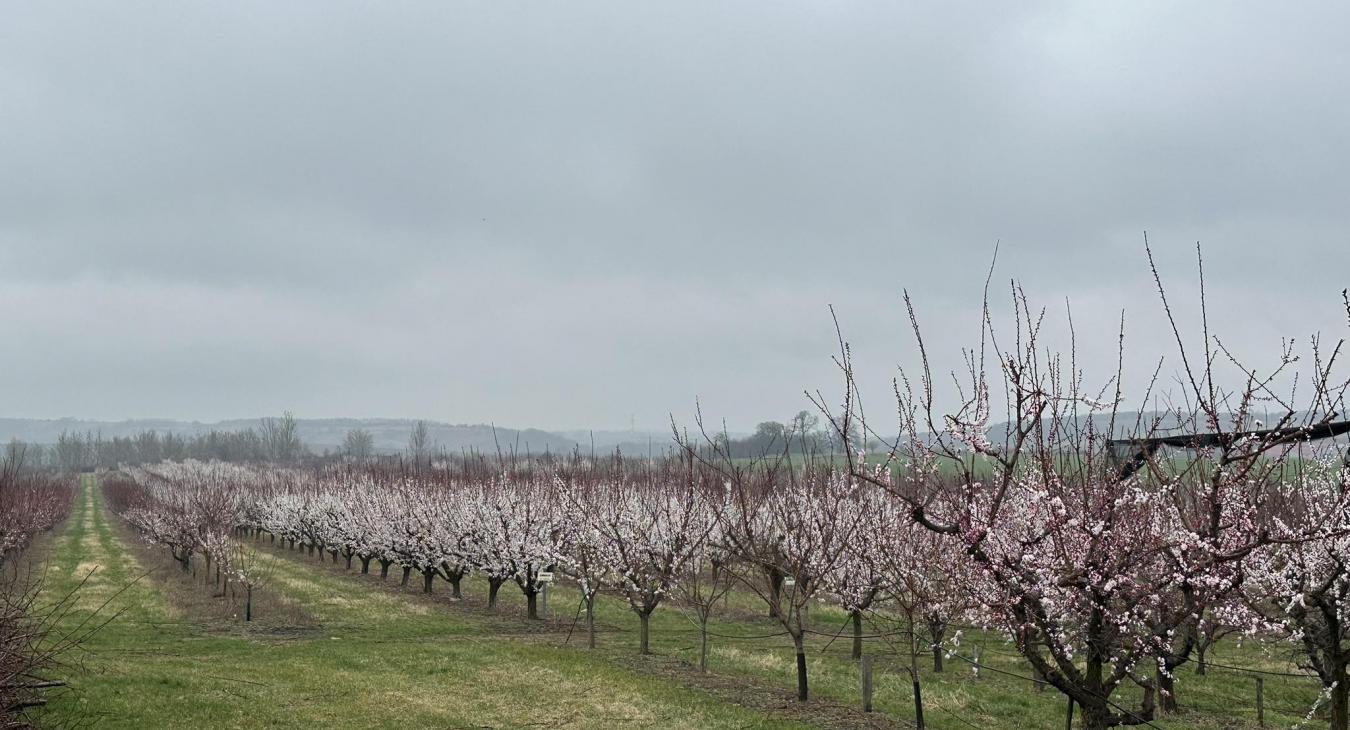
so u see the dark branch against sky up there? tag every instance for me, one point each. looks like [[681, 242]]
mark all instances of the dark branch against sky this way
[[586, 214]]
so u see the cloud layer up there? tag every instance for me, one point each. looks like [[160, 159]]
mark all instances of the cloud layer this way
[[581, 214]]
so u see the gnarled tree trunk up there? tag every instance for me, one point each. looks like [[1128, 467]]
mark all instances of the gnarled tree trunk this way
[[454, 577], [644, 633]]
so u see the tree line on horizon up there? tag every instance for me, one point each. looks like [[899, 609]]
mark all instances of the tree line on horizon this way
[[277, 441]]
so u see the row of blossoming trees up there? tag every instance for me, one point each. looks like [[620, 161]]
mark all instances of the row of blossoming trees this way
[[31, 502], [1106, 563], [643, 530]]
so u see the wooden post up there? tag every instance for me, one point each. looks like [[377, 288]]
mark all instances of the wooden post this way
[[1260, 702], [543, 603], [1068, 721], [867, 683]]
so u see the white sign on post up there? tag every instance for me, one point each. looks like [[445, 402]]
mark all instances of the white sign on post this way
[[545, 576], [789, 582]]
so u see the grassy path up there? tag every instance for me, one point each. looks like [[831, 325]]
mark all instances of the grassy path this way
[[377, 661]]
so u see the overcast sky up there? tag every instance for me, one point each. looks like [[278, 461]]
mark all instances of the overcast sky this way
[[585, 215]]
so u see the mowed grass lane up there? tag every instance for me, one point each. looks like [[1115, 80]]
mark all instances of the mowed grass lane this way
[[377, 660]]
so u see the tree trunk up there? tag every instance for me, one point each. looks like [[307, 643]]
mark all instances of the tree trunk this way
[[455, 578], [248, 604], [799, 644], [1340, 703], [349, 561], [914, 673], [590, 621], [1200, 659], [918, 703], [644, 633], [775, 590], [703, 644], [857, 634], [365, 564], [427, 576], [1033, 640], [1095, 716], [384, 568], [1167, 692], [938, 630], [532, 604], [494, 585], [407, 571]]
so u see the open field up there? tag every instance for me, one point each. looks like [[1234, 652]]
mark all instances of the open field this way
[[345, 650]]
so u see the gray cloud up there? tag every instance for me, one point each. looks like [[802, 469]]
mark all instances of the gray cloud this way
[[570, 215]]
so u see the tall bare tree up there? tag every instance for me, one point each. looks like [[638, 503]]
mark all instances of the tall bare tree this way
[[419, 442], [359, 445], [281, 438]]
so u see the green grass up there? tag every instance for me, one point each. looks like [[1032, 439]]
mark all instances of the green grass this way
[[384, 657]]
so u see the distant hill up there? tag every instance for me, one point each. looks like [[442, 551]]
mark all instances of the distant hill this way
[[391, 434]]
